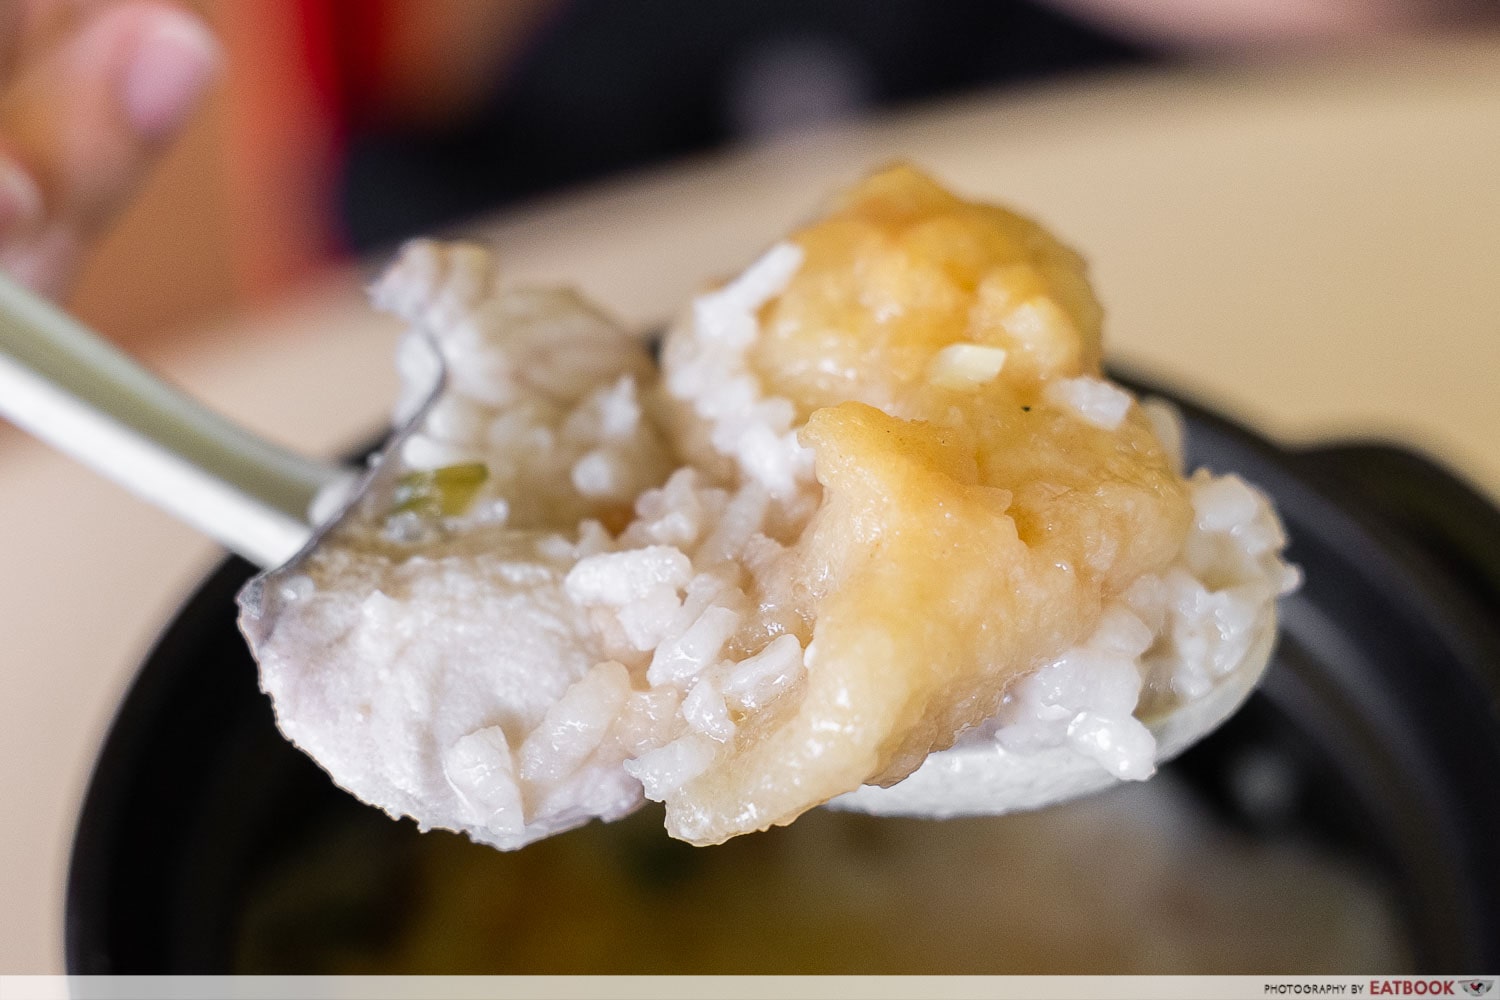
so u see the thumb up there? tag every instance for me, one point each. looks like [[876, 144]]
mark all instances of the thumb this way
[[79, 124]]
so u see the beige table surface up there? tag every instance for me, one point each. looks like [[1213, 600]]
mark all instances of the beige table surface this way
[[1316, 248]]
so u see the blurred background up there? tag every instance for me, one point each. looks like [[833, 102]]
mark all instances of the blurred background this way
[[342, 126]]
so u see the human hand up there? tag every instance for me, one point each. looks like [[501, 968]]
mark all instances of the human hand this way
[[90, 92]]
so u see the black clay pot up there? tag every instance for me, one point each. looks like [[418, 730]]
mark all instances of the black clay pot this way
[[1381, 712]]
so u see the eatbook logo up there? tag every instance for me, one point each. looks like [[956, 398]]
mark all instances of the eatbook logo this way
[[1477, 987]]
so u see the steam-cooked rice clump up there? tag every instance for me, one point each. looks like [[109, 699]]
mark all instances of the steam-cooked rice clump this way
[[877, 497]]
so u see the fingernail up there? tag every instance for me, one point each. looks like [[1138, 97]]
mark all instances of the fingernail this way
[[20, 198], [173, 61]]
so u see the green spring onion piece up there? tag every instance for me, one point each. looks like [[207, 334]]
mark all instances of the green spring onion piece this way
[[445, 492]]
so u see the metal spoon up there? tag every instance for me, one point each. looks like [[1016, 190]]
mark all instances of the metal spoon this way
[[83, 396]]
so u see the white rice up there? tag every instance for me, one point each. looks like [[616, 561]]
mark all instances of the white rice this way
[[1171, 636], [1093, 400], [525, 670]]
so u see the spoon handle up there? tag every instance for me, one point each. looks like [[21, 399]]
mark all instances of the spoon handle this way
[[80, 394]]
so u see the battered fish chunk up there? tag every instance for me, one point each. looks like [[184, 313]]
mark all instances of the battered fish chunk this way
[[972, 523]]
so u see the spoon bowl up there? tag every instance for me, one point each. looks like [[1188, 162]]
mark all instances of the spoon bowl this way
[[982, 778]]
